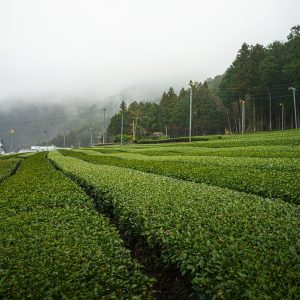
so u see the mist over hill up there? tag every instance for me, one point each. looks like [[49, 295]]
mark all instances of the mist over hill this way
[[35, 121]]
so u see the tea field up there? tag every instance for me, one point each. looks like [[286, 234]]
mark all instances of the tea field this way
[[212, 219]]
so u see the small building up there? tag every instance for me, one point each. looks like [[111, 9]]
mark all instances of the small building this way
[[158, 134], [43, 148]]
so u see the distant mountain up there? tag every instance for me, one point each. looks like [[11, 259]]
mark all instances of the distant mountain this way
[[66, 120], [37, 123]]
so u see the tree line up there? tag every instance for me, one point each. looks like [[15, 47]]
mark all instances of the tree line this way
[[259, 76]]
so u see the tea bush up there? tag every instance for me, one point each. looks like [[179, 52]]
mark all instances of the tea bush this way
[[228, 244], [55, 245], [274, 178]]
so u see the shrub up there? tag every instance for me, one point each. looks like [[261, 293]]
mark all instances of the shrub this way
[[227, 244]]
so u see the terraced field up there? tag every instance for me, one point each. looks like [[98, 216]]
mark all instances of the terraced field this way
[[55, 245], [210, 219]]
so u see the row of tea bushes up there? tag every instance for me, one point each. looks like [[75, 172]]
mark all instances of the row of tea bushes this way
[[264, 177], [275, 138], [251, 151], [54, 245], [172, 140], [7, 167], [273, 144], [227, 244], [275, 164]]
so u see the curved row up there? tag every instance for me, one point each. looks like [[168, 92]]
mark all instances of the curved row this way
[[55, 245], [262, 178], [228, 244]]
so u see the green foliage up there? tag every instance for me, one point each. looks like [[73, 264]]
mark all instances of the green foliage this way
[[171, 112], [231, 162], [228, 244], [7, 167], [261, 76], [55, 245], [171, 140], [277, 178], [126, 138]]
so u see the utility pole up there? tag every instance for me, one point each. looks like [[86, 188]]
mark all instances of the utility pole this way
[[46, 134], [11, 133], [254, 116], [104, 131], [282, 109], [295, 109], [191, 102], [270, 111], [243, 116], [91, 129], [122, 124], [228, 119], [133, 130], [64, 136]]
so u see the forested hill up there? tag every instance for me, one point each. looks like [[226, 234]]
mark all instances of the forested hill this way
[[262, 76], [37, 123], [65, 122]]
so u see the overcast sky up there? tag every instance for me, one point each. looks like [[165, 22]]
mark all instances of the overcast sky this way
[[82, 47]]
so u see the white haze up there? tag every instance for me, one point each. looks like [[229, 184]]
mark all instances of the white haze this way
[[59, 49]]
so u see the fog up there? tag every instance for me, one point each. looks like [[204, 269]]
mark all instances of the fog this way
[[54, 50]]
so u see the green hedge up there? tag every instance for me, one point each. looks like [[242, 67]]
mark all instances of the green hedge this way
[[275, 138], [276, 178], [7, 167], [249, 151], [228, 244], [55, 245], [172, 140]]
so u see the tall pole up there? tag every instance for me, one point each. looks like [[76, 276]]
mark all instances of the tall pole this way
[[191, 102], [270, 111], [295, 109], [10, 148], [64, 136], [282, 108], [133, 130], [11, 133], [46, 134], [254, 117], [91, 129], [243, 116], [166, 131], [104, 131], [228, 119], [122, 124]]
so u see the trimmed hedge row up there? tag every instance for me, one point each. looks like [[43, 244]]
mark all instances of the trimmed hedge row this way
[[7, 167], [277, 164], [172, 140], [55, 245], [228, 244], [276, 138], [250, 151], [268, 178]]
